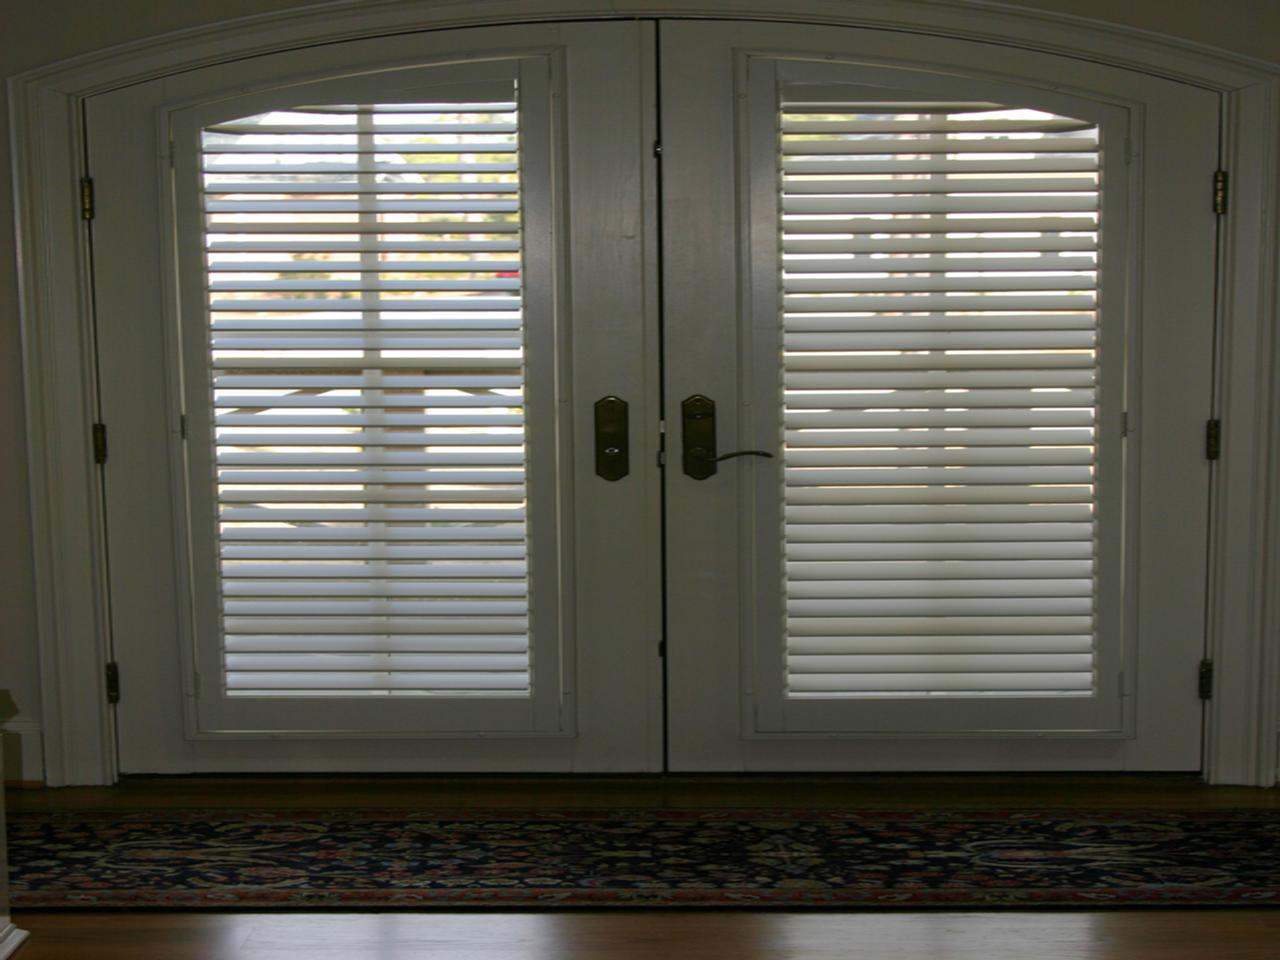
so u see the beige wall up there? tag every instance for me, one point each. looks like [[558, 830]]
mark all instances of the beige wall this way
[[38, 32]]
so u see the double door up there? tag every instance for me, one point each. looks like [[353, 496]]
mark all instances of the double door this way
[[631, 396]]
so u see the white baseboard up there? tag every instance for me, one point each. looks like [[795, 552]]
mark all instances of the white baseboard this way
[[23, 751], [10, 939]]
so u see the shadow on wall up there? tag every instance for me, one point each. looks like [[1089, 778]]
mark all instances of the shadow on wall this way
[[10, 742]]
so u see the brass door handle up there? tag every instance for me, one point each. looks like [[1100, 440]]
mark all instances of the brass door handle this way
[[613, 444], [698, 437]]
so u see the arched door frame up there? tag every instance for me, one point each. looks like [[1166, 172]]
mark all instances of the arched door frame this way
[[1243, 626]]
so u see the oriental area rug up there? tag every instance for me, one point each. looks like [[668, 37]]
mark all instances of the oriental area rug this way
[[781, 858]]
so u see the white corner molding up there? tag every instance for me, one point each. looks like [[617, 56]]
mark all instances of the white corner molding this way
[[1244, 619], [11, 938]]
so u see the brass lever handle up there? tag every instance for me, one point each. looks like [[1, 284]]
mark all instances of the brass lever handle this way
[[698, 424]]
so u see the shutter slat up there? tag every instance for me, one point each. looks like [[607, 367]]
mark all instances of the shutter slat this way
[[376, 662], [379, 457], [371, 437], [984, 684], [347, 683], [294, 147], [392, 554], [917, 572], [905, 205], [899, 166], [329, 495], [505, 533], [938, 403], [374, 419], [228, 225], [931, 645], [942, 324], [910, 126], [305, 381], [304, 265], [920, 494], [815, 550], [365, 571], [940, 339], [952, 186], [954, 417], [996, 398], [862, 303], [1073, 260], [284, 589], [1031, 146], [938, 589], [376, 512], [1031, 663], [377, 643], [266, 478], [229, 188], [936, 242], [870, 222], [835, 531], [949, 282], [374, 626], [281, 132], [217, 166], [369, 284], [945, 379]]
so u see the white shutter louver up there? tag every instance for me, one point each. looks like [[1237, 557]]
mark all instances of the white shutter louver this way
[[366, 344], [939, 278]]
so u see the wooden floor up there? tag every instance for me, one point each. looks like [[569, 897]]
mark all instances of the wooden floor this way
[[659, 935], [663, 934]]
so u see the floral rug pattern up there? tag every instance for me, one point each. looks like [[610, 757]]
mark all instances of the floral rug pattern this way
[[708, 858]]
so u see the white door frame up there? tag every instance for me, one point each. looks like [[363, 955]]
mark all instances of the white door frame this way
[[1243, 626]]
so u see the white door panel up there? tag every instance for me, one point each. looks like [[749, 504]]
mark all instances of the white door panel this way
[[913, 566], [384, 340]]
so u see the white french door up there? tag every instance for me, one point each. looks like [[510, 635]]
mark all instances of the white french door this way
[[356, 307], [969, 317], [393, 431]]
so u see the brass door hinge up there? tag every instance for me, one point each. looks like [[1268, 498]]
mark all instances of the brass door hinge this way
[[1220, 192], [1213, 439], [99, 443], [1205, 681], [113, 682], [86, 198]]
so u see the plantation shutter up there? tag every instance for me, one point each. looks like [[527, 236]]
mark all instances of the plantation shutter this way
[[366, 343], [939, 322]]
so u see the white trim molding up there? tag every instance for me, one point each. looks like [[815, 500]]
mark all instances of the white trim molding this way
[[1243, 629], [11, 938]]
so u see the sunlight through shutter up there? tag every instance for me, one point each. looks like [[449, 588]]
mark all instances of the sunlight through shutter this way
[[939, 282], [366, 342]]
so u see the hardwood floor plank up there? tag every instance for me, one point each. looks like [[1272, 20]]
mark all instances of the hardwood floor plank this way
[[669, 935]]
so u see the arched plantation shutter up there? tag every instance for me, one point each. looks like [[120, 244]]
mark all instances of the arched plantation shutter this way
[[366, 342], [939, 272]]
